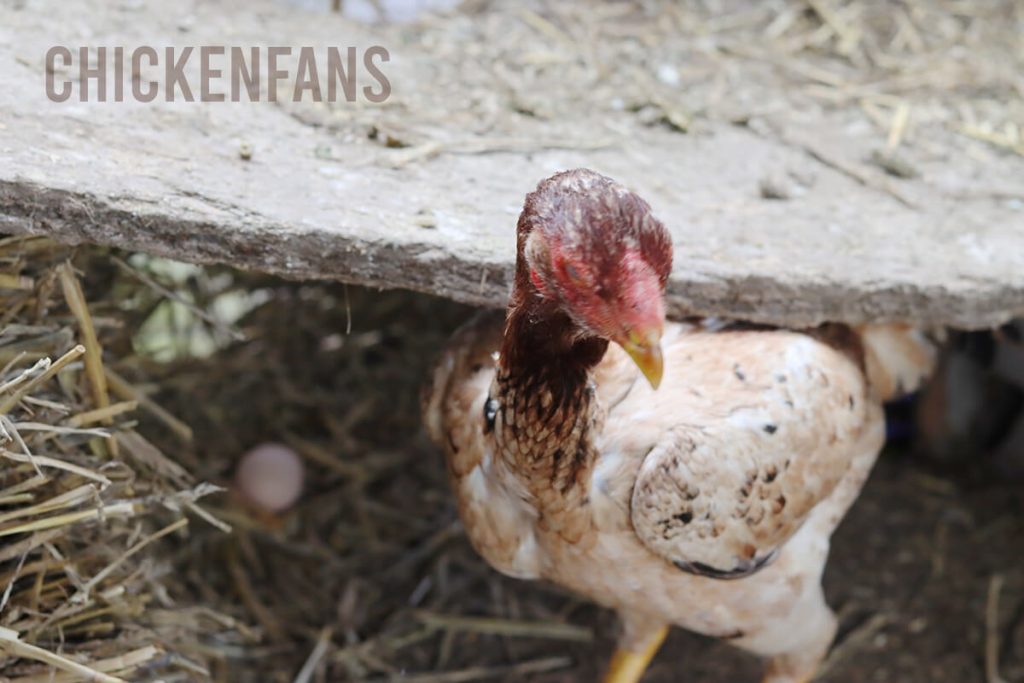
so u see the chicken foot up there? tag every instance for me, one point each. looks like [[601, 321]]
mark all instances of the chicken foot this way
[[634, 654]]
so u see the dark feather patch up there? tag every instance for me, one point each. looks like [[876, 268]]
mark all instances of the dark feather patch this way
[[740, 571], [490, 413]]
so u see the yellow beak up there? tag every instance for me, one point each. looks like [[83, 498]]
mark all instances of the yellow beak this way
[[645, 350]]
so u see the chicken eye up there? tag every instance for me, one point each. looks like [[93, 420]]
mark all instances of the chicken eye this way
[[575, 276]]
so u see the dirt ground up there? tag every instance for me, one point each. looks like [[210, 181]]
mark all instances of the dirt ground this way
[[372, 563]]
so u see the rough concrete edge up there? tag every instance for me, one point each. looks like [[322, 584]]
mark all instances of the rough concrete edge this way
[[297, 254], [292, 253]]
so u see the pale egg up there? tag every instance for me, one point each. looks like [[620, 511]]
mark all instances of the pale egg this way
[[270, 476]]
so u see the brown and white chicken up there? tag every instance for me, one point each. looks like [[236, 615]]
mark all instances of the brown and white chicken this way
[[703, 497]]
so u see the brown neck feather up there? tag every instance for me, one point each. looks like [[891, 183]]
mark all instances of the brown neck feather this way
[[548, 411], [542, 343]]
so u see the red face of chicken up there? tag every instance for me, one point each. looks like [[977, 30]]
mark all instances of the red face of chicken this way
[[607, 268]]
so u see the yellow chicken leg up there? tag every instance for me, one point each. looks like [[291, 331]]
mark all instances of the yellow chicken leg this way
[[802, 679], [628, 665]]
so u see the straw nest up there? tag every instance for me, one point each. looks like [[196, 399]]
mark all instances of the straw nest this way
[[85, 496]]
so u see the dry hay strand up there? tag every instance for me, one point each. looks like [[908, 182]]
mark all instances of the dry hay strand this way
[[85, 499]]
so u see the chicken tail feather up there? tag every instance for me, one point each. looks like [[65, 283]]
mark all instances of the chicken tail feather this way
[[898, 358]]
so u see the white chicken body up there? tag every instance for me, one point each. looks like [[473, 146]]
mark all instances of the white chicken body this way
[[750, 401], [707, 503]]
